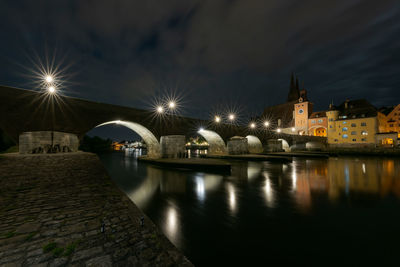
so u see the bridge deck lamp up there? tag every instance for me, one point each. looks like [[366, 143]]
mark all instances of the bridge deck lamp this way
[[49, 78], [252, 125], [160, 109], [171, 104], [278, 130], [217, 119], [293, 129], [51, 89], [201, 129], [266, 123], [231, 117]]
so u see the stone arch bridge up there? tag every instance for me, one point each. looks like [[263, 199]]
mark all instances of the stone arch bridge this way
[[34, 119]]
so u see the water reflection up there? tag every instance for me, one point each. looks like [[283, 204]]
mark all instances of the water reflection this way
[[171, 222], [206, 183], [231, 194], [269, 192], [343, 177], [199, 209]]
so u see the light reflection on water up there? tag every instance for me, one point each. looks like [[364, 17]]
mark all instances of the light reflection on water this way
[[211, 217]]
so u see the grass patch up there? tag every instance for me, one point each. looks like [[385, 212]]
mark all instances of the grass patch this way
[[71, 248], [57, 252], [29, 219], [10, 234], [12, 149], [30, 236], [49, 247]]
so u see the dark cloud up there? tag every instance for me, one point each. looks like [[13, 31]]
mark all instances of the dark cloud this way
[[212, 52]]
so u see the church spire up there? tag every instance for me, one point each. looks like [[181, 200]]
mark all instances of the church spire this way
[[294, 89]]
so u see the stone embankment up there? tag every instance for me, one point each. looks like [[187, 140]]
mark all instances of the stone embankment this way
[[63, 209]]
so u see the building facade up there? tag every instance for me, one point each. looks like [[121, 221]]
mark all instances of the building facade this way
[[354, 123]]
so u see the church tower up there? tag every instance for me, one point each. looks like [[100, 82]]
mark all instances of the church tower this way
[[302, 111], [294, 93]]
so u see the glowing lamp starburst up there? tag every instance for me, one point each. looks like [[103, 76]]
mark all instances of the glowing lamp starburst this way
[[217, 119], [278, 130], [266, 123], [49, 78], [51, 89], [171, 104], [252, 125], [160, 109], [231, 117]]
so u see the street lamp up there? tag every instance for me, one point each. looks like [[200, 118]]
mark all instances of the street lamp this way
[[266, 123], [278, 130], [160, 109], [217, 119], [171, 104], [231, 117], [252, 125], [49, 78], [51, 89], [293, 129]]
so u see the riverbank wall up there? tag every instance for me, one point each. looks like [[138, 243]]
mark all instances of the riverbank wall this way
[[63, 209]]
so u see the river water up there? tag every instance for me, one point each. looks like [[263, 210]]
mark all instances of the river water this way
[[335, 211]]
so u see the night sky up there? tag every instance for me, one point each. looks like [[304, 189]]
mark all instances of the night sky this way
[[211, 54]]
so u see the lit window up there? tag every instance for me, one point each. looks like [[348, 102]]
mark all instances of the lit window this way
[[353, 125], [345, 136], [320, 121], [364, 133], [353, 133], [363, 124], [312, 121], [344, 122], [344, 129]]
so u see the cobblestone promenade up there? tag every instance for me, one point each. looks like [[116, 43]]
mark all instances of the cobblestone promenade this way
[[53, 207]]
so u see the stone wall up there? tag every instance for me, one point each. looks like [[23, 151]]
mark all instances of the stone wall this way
[[173, 146], [237, 146], [274, 146], [47, 142]]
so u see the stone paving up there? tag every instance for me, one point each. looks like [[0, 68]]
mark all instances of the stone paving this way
[[53, 209]]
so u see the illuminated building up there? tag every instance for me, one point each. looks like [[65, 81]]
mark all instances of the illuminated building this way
[[389, 120], [296, 116], [353, 123]]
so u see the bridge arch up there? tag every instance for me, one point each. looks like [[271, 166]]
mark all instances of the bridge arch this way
[[216, 143], [318, 130], [254, 144], [285, 145], [313, 145], [153, 146]]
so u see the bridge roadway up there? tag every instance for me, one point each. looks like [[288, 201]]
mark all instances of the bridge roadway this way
[[32, 111]]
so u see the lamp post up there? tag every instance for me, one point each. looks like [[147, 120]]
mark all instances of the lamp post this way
[[51, 89]]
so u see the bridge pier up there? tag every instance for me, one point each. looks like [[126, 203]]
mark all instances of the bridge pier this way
[[237, 145], [173, 146], [47, 142]]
